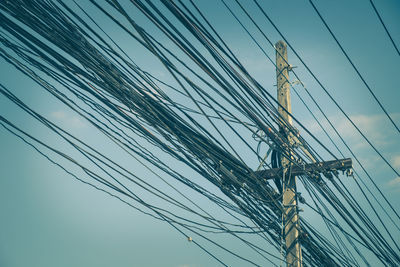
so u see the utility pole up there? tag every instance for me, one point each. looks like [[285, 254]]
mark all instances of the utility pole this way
[[288, 171], [290, 212]]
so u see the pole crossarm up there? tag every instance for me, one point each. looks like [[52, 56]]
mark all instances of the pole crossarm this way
[[314, 169]]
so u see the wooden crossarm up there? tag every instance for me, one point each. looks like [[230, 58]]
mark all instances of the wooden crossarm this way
[[314, 168]]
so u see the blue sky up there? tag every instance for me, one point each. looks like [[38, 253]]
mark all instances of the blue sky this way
[[51, 219]]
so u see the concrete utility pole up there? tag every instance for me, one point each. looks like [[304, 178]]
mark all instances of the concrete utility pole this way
[[288, 171], [290, 211]]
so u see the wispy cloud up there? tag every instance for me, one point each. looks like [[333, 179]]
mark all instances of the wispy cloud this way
[[67, 120], [394, 182], [393, 186], [396, 161], [375, 128]]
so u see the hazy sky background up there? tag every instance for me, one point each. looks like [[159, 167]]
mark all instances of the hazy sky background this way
[[50, 219]]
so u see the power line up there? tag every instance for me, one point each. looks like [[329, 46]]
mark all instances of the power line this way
[[352, 64], [384, 26]]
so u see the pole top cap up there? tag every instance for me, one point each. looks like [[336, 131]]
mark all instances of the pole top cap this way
[[280, 43]]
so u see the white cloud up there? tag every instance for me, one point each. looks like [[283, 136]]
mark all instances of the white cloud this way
[[67, 119], [375, 127], [394, 182], [58, 115], [394, 185], [396, 161]]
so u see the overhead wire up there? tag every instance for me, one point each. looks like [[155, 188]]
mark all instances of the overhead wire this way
[[384, 26], [121, 94], [354, 67]]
